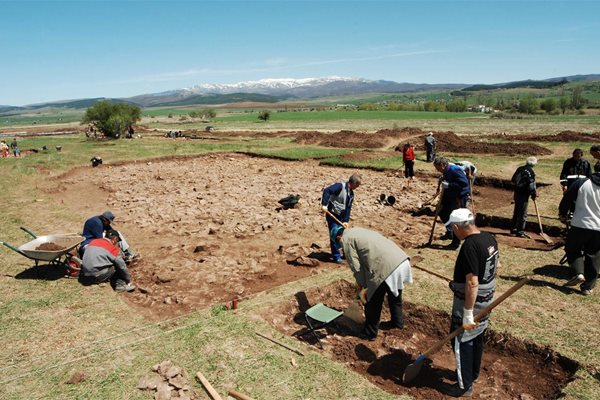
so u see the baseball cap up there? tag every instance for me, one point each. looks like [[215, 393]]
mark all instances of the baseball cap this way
[[460, 215], [108, 215], [111, 233]]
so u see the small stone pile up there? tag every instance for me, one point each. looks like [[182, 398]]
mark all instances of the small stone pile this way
[[170, 383]]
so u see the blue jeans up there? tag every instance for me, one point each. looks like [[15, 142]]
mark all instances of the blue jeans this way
[[335, 249]]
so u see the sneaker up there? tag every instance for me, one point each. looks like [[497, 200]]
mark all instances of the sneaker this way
[[585, 290], [128, 287], [456, 391], [522, 235], [338, 260], [367, 336], [576, 280]]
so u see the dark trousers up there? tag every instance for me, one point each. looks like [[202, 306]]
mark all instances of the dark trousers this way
[[519, 218], [450, 204], [430, 153], [108, 274], [335, 248], [468, 357], [374, 306], [583, 254], [409, 170]]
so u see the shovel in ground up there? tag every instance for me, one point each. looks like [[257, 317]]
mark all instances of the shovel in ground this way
[[542, 234], [413, 369], [354, 311], [435, 217]]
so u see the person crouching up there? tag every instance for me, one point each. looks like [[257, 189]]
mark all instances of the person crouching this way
[[102, 262]]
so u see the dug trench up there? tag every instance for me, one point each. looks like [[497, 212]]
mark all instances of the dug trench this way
[[509, 366], [211, 229]]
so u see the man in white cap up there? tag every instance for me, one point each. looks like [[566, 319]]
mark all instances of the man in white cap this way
[[524, 185], [380, 267], [473, 285]]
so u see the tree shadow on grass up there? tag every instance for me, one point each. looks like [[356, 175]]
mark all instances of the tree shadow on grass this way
[[44, 272], [548, 270]]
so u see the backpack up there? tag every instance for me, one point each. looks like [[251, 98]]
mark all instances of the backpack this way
[[521, 179]]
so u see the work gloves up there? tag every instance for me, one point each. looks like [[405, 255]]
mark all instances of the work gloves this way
[[468, 320], [361, 294], [324, 209], [445, 185]]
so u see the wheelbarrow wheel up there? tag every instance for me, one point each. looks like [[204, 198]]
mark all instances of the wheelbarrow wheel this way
[[73, 265]]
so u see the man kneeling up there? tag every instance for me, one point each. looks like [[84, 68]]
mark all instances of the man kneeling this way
[[102, 262]]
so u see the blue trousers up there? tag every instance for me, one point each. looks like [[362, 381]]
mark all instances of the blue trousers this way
[[335, 249]]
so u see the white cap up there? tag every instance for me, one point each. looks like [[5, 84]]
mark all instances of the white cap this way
[[430, 134], [531, 161], [460, 215]]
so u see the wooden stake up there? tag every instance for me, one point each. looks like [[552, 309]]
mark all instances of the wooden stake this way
[[239, 395], [279, 343], [211, 390]]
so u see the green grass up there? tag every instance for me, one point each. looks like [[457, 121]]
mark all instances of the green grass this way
[[301, 153]]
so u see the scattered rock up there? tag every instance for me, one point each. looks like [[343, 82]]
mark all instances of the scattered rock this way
[[77, 377], [307, 262], [170, 383]]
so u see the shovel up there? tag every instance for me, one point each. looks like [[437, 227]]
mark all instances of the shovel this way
[[471, 182], [334, 217], [354, 311], [413, 369], [435, 217], [542, 234]]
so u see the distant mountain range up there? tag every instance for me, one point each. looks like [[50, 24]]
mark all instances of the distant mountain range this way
[[274, 90]]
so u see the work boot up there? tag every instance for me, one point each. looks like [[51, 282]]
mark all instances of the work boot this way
[[576, 280], [446, 236], [127, 287], [456, 391]]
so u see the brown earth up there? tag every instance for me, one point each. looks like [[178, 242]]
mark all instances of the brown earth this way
[[49, 246], [564, 136], [446, 142], [509, 364], [211, 229]]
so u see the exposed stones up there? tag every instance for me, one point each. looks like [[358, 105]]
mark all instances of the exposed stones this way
[[169, 383]]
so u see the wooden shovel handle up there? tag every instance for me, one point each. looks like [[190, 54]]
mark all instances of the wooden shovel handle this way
[[537, 213], [209, 388], [436, 347], [437, 212], [334, 217]]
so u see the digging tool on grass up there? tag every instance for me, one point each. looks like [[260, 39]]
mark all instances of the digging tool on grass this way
[[435, 217], [413, 369], [432, 273], [542, 234]]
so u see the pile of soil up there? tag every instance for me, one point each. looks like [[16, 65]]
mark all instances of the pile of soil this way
[[564, 136], [452, 143], [508, 363], [49, 246]]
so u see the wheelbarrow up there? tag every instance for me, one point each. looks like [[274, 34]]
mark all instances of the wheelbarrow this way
[[53, 249]]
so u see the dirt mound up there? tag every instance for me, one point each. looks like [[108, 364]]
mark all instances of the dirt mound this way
[[351, 139], [564, 136], [507, 361], [451, 142]]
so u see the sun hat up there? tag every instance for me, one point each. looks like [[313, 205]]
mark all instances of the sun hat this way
[[108, 215], [460, 215]]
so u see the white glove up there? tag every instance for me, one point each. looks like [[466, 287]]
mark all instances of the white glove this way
[[324, 209], [362, 296], [468, 320], [345, 225], [445, 184]]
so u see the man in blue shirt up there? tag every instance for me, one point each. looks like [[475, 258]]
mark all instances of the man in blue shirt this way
[[337, 199], [456, 194], [94, 228]]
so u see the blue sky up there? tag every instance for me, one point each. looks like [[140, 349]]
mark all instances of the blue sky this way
[[56, 50]]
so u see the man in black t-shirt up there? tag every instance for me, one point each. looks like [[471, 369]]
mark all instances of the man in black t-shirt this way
[[474, 285]]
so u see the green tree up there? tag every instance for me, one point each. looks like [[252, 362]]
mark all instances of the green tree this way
[[456, 105], [112, 119], [264, 115], [564, 103], [528, 105], [577, 97], [548, 105]]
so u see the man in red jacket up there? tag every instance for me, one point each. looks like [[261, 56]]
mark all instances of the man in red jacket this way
[[408, 157]]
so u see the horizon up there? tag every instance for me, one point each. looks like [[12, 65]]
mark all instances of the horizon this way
[[77, 50]]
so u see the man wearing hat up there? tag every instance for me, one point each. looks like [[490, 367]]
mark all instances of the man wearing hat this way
[[595, 152], [524, 185], [430, 144], [380, 267], [473, 285], [102, 262], [94, 228]]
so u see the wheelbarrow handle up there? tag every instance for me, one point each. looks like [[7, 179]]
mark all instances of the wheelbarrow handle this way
[[28, 231], [13, 248]]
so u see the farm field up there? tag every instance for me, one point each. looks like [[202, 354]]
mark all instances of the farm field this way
[[205, 216]]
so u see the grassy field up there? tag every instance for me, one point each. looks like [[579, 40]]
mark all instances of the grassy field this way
[[52, 328]]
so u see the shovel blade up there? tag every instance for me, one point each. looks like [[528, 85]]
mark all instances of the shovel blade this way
[[546, 238], [354, 312], [413, 370]]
